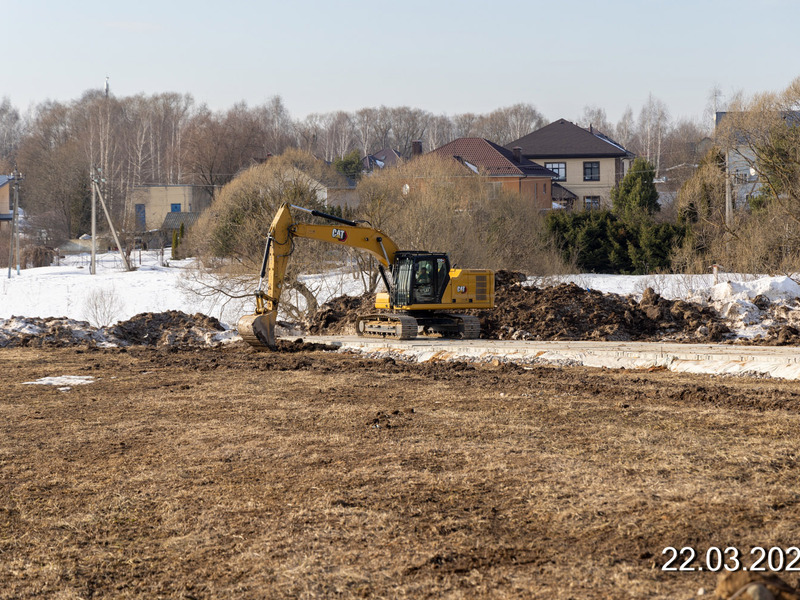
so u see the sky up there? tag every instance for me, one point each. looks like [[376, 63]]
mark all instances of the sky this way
[[444, 57]]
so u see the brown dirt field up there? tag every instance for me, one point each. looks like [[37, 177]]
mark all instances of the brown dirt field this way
[[228, 473]]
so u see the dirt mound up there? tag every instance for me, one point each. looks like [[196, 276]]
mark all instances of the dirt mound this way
[[563, 312], [569, 312], [338, 316], [171, 328], [52, 332]]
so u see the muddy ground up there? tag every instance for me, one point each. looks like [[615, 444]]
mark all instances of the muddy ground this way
[[227, 473]]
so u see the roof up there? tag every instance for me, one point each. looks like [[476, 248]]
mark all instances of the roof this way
[[559, 192], [4, 179], [173, 220], [386, 157], [564, 139], [481, 155]]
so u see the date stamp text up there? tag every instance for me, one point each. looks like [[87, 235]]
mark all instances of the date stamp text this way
[[715, 559]]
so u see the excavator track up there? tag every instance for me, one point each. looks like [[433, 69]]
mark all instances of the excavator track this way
[[407, 327], [469, 327], [398, 327]]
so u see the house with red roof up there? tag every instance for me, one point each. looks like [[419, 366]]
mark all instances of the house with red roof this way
[[587, 163], [506, 170]]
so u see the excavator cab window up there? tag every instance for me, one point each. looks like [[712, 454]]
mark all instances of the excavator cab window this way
[[424, 281], [420, 279], [442, 275]]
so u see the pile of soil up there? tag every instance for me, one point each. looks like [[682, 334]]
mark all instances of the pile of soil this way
[[563, 312], [50, 332], [171, 328], [570, 312], [338, 316]]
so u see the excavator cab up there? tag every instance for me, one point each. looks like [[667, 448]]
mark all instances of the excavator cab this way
[[419, 278]]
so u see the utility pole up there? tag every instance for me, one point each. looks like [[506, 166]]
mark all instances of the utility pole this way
[[16, 177], [92, 264], [95, 186], [728, 191]]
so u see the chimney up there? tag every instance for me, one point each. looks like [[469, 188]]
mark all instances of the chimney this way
[[416, 148], [517, 153]]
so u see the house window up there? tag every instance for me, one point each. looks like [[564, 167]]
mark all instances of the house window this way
[[141, 221], [591, 171], [175, 207], [494, 188], [591, 202], [559, 169]]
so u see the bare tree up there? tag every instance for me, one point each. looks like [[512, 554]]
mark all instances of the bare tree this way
[[522, 119], [505, 125], [383, 128], [337, 135], [653, 126], [464, 125], [221, 144], [308, 132], [440, 132], [408, 124], [56, 170], [595, 117], [11, 130], [624, 132], [762, 133], [364, 123], [276, 123]]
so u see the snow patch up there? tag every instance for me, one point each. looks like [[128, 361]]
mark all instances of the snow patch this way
[[62, 380]]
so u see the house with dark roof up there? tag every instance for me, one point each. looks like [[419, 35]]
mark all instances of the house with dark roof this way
[[507, 171], [6, 202], [382, 159], [587, 163]]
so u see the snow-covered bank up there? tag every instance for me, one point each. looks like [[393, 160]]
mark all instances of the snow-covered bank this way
[[158, 284], [710, 359], [112, 295], [752, 306]]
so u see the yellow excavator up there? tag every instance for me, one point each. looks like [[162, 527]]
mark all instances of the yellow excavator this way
[[422, 287]]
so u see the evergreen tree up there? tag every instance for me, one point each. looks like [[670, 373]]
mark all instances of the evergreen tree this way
[[349, 165], [636, 195]]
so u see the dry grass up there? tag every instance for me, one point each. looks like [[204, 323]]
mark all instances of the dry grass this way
[[234, 474]]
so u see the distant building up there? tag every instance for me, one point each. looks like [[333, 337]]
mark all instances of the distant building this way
[[382, 159], [506, 171], [154, 203], [588, 164], [6, 202], [741, 160]]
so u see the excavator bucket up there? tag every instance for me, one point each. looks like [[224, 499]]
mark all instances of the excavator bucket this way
[[259, 330]]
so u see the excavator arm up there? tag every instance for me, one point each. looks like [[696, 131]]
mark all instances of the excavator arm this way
[[258, 329]]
